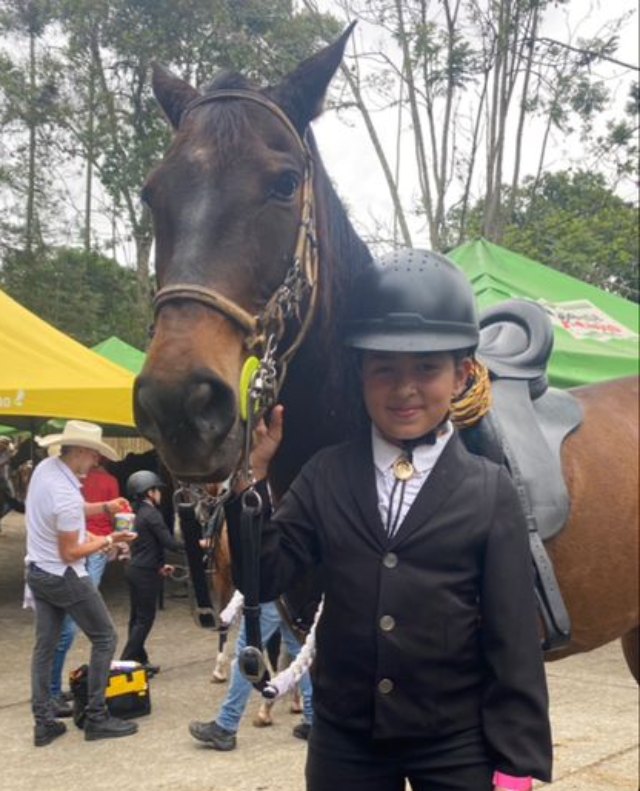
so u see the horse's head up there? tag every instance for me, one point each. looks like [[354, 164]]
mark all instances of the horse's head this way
[[227, 204]]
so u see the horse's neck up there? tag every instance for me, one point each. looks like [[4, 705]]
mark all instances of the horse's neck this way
[[319, 396]]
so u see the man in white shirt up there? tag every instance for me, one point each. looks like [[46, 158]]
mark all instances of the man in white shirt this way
[[57, 548]]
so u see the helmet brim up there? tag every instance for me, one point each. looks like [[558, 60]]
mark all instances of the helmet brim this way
[[410, 342]]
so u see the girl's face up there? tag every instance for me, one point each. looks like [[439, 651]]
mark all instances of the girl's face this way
[[408, 394], [155, 495]]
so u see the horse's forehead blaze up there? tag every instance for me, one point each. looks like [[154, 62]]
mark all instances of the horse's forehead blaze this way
[[200, 154]]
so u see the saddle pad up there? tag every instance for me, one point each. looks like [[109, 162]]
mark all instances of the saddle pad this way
[[532, 433]]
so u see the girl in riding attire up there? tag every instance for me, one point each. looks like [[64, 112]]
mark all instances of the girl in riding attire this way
[[428, 662], [146, 568]]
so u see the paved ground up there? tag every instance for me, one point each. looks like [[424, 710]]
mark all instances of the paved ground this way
[[594, 712]]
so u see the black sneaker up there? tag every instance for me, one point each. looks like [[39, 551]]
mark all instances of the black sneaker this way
[[301, 730], [60, 707], [213, 735], [46, 732], [152, 670], [108, 727]]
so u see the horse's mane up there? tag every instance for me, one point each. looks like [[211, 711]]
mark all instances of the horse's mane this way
[[229, 80], [343, 255]]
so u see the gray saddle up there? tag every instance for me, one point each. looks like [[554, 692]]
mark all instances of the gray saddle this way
[[525, 429], [529, 420]]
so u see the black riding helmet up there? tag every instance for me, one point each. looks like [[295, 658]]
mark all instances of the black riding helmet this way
[[141, 482], [412, 301]]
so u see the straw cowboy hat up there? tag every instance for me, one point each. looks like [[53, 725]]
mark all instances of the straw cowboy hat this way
[[78, 434]]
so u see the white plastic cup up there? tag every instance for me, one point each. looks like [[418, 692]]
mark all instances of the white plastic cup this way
[[124, 522]]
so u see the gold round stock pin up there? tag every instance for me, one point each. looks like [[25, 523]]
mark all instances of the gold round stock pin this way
[[403, 469]]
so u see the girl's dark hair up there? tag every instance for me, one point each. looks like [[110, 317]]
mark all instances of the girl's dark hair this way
[[460, 354]]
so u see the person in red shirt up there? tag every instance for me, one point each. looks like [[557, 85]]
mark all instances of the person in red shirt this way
[[98, 486]]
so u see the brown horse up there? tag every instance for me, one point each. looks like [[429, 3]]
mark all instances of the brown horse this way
[[226, 203]]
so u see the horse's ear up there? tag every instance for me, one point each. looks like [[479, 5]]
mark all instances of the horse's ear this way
[[172, 93], [301, 93]]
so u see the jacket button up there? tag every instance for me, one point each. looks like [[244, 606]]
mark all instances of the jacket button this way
[[385, 686], [390, 560], [387, 623]]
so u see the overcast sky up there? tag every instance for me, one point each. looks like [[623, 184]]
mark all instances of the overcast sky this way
[[351, 160]]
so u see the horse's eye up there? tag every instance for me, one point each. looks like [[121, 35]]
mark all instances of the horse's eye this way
[[285, 186], [145, 196]]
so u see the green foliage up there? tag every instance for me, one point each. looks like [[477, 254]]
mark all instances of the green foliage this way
[[618, 148], [573, 222], [86, 295]]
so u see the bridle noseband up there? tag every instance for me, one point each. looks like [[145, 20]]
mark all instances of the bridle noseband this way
[[263, 332]]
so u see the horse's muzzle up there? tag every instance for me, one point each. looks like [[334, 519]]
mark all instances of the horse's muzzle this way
[[190, 422]]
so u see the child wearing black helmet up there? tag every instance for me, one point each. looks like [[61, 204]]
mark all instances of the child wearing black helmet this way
[[147, 566], [428, 663]]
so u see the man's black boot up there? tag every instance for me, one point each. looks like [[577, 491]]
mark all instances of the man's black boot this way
[[107, 727], [46, 732]]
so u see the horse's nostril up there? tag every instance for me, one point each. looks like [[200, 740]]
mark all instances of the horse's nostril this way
[[143, 408], [210, 405]]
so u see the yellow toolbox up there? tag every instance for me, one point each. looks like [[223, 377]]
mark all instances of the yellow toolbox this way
[[127, 694]]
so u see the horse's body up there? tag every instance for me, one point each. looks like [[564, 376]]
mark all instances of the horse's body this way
[[596, 554], [231, 238]]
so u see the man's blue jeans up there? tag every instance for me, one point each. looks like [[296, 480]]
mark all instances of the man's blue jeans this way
[[96, 565], [240, 689]]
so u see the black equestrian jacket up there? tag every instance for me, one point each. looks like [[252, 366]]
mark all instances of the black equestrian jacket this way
[[430, 632], [147, 551]]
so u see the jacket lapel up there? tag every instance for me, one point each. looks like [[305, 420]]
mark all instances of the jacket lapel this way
[[443, 479], [362, 488]]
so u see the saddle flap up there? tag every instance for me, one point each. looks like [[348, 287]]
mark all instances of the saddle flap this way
[[516, 340], [532, 435]]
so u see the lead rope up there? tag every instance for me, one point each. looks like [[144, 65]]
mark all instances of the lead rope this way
[[286, 680]]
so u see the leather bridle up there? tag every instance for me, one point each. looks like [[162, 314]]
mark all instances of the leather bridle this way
[[265, 330]]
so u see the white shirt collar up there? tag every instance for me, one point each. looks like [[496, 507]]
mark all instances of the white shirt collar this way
[[67, 472], [424, 456]]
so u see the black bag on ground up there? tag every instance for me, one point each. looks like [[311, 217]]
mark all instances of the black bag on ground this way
[[127, 694]]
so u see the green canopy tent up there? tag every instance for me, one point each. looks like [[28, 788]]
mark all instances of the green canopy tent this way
[[595, 333], [121, 354]]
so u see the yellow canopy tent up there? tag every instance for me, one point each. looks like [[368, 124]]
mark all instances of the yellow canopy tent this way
[[44, 373]]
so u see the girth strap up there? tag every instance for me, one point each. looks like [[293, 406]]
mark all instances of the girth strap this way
[[551, 605]]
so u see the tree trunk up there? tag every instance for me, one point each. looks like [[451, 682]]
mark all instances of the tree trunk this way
[[90, 153], [382, 158], [143, 238], [421, 159], [441, 182], [472, 161], [31, 125], [523, 112]]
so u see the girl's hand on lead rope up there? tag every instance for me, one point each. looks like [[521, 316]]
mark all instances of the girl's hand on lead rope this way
[[266, 440]]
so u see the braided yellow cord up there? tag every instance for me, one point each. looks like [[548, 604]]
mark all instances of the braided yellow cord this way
[[475, 402]]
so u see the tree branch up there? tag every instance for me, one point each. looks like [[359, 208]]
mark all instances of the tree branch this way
[[591, 52]]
